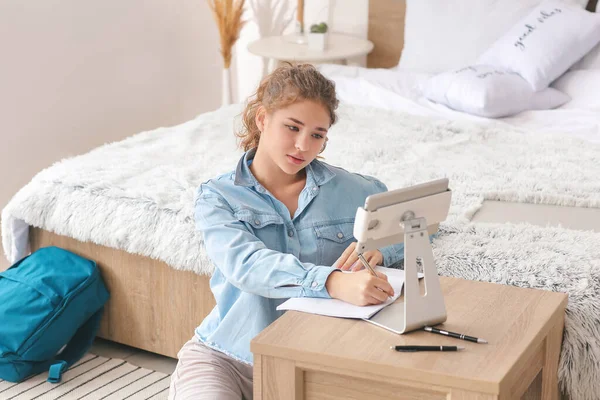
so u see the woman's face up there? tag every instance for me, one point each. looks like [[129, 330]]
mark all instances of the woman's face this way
[[293, 136]]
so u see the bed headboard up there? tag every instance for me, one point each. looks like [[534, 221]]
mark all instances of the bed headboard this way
[[386, 31]]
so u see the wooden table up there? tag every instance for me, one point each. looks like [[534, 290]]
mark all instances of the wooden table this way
[[341, 48], [305, 356]]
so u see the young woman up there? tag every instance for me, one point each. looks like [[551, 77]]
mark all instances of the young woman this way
[[278, 226]]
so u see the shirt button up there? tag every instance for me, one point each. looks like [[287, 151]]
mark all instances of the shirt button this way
[[257, 222], [314, 189], [340, 235], [314, 284], [290, 233]]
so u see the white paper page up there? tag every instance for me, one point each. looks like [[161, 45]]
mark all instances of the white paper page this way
[[339, 308]]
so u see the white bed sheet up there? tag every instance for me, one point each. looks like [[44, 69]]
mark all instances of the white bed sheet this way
[[402, 91]]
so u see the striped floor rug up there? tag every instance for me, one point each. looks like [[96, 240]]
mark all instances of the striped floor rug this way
[[93, 378]]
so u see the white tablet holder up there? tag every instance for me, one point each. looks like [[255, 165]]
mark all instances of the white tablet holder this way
[[409, 221]]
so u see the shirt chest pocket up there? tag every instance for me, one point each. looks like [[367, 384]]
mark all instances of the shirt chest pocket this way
[[268, 227], [332, 240]]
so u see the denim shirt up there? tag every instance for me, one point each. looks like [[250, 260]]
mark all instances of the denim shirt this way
[[263, 256]]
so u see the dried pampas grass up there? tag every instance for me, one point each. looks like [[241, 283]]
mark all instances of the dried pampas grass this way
[[228, 16]]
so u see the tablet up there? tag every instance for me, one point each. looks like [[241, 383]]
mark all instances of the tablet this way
[[381, 202], [384, 199]]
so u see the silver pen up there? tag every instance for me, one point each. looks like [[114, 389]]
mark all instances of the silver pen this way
[[366, 264]]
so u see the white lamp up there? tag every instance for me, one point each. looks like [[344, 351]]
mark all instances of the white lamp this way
[[408, 215]]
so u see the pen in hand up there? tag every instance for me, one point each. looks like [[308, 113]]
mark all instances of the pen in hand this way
[[368, 266], [426, 348]]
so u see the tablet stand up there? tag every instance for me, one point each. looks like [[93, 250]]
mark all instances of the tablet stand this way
[[407, 220]]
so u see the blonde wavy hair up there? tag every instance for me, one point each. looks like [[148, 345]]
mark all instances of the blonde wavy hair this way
[[284, 86]]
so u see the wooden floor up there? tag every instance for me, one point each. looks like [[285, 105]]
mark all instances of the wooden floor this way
[[578, 218], [134, 356]]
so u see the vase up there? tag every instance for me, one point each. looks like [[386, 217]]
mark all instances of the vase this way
[[226, 88], [317, 41]]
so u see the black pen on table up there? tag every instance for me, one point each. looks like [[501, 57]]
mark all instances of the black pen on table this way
[[454, 335], [408, 349]]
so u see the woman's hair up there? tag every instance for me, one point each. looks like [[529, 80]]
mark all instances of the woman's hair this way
[[284, 86]]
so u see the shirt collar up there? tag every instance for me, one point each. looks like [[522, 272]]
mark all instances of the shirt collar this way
[[317, 171], [243, 176]]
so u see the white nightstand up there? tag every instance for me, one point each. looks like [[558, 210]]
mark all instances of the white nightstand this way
[[339, 49]]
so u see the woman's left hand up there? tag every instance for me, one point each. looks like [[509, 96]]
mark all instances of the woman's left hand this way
[[349, 261]]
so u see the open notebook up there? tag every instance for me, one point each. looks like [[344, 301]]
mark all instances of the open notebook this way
[[339, 308]]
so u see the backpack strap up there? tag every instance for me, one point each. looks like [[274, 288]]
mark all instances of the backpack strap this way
[[76, 348]]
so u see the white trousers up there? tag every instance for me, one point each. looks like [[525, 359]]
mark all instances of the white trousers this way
[[206, 374]]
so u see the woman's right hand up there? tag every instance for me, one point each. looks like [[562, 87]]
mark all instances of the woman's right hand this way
[[359, 288]]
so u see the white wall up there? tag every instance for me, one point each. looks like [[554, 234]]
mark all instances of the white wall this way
[[343, 16], [76, 74]]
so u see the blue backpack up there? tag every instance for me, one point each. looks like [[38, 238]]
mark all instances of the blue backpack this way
[[51, 303]]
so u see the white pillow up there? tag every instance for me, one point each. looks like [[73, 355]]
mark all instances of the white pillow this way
[[592, 59], [489, 92], [583, 86], [444, 35], [543, 45]]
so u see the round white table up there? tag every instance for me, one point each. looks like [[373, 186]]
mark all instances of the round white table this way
[[339, 48]]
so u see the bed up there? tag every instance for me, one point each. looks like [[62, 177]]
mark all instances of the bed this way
[[133, 214]]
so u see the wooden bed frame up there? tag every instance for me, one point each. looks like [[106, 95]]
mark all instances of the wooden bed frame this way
[[155, 307], [152, 306]]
